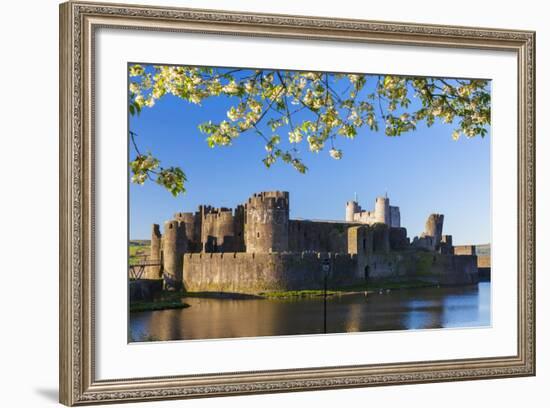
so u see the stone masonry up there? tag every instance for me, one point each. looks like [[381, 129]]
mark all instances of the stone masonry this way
[[256, 248]]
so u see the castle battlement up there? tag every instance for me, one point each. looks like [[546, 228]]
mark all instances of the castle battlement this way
[[220, 213], [383, 213], [256, 247], [269, 199], [305, 255], [184, 216]]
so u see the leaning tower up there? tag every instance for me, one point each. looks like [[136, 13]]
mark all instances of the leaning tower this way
[[352, 207], [434, 228], [266, 222]]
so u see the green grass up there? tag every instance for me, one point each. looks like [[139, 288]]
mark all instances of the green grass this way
[[220, 295], [138, 250], [334, 291], [166, 300], [298, 293], [140, 242], [151, 306], [174, 300]]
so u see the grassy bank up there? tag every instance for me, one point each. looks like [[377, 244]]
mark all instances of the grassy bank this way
[[175, 300], [166, 300], [138, 250], [221, 295], [346, 290], [298, 293]]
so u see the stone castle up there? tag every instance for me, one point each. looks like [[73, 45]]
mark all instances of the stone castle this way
[[256, 248]]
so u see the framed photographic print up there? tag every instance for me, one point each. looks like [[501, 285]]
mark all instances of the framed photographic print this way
[[256, 203]]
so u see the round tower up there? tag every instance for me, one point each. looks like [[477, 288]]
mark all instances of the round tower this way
[[208, 234], [266, 222], [174, 245], [189, 219], [382, 210], [153, 272], [434, 228], [352, 207], [224, 230]]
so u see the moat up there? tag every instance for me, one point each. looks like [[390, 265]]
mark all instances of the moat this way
[[406, 309]]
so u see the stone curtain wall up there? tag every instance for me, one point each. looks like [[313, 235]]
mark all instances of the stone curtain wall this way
[[317, 236], [254, 273], [423, 266]]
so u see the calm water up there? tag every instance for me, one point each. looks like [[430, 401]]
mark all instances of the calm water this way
[[396, 310]]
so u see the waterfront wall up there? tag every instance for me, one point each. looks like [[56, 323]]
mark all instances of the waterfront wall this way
[[436, 268], [254, 273]]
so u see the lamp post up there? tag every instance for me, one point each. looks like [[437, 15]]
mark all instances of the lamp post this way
[[326, 270]]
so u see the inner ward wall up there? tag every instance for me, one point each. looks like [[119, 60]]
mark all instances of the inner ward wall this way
[[319, 236]]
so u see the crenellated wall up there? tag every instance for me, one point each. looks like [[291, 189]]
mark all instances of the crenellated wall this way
[[213, 229], [258, 248], [253, 273]]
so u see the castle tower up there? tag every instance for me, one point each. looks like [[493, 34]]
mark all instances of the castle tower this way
[[191, 231], [434, 228], [266, 222], [174, 245], [360, 243], [381, 237], [382, 210], [153, 272], [395, 217], [224, 230], [238, 220], [352, 207], [206, 228]]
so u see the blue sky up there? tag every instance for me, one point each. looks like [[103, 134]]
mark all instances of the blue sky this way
[[423, 172]]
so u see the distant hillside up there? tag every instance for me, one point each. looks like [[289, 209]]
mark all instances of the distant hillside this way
[[139, 250], [140, 242]]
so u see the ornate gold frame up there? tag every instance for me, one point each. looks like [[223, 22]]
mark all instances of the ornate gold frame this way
[[78, 22]]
